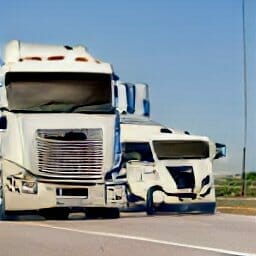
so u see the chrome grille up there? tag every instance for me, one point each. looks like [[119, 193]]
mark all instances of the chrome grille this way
[[74, 154]]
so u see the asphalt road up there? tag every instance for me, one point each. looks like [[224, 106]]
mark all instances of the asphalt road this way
[[132, 234]]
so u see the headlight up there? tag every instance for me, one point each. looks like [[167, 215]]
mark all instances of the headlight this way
[[29, 187]]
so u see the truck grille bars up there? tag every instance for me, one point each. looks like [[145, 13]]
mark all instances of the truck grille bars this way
[[71, 154]]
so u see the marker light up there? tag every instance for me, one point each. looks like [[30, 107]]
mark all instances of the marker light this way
[[81, 59], [31, 58], [56, 58]]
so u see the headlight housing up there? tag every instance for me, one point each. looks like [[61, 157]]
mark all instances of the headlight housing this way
[[29, 187]]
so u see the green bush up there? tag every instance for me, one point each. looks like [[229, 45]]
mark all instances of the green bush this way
[[232, 186], [251, 176], [227, 190]]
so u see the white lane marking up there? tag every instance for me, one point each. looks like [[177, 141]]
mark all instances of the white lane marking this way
[[144, 239]]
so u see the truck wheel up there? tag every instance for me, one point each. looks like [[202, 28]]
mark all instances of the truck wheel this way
[[102, 212], [150, 208], [2, 211], [55, 213], [3, 215], [111, 213], [93, 213]]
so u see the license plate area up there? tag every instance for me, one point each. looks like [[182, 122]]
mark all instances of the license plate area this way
[[72, 192]]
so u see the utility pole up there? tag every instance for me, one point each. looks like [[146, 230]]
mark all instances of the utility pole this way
[[243, 192]]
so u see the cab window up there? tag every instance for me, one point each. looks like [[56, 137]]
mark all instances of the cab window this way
[[140, 151]]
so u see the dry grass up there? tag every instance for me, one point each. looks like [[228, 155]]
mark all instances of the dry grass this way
[[244, 206]]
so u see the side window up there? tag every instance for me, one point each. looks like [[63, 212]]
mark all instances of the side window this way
[[137, 151]]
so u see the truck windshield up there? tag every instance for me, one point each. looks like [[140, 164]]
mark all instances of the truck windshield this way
[[181, 149], [137, 151], [58, 92]]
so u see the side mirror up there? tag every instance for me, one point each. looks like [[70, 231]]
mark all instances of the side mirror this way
[[116, 96], [130, 94], [146, 108], [221, 150], [3, 123]]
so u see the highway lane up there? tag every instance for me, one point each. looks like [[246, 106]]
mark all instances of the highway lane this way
[[132, 234]]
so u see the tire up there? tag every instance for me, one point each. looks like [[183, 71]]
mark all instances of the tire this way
[[101, 212], [93, 213], [3, 215], [2, 211], [111, 213], [55, 213], [150, 208], [1, 199]]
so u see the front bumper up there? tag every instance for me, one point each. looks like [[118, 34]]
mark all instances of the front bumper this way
[[196, 207], [47, 194]]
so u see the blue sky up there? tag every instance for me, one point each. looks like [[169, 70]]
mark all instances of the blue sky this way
[[188, 51]]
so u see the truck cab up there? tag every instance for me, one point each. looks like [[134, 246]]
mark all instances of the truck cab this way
[[168, 171], [59, 130]]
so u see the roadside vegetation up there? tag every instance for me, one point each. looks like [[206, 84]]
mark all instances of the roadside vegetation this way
[[230, 186], [228, 193]]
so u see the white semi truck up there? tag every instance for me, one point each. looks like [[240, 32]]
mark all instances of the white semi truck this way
[[165, 169], [60, 133]]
